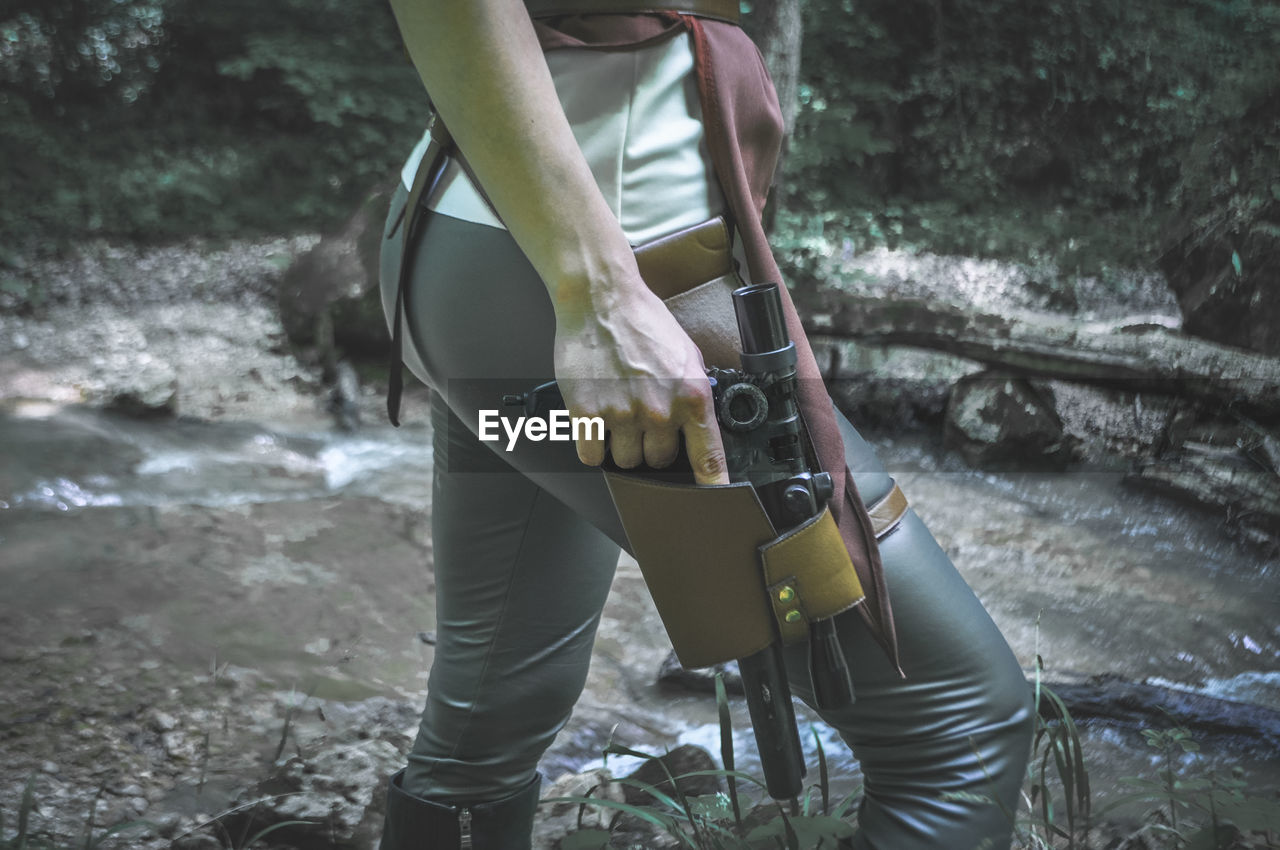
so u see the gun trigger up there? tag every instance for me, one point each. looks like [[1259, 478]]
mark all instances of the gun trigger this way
[[529, 401]]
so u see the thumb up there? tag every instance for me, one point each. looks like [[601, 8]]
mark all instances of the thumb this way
[[706, 453]]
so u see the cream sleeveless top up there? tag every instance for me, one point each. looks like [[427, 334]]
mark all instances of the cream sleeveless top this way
[[636, 116]]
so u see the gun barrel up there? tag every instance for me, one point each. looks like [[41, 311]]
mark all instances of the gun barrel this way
[[773, 719]]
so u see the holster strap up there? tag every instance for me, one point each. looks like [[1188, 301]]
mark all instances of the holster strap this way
[[809, 576], [725, 583], [674, 264], [888, 512], [425, 180]]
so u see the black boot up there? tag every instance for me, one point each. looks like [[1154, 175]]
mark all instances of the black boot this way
[[416, 824]]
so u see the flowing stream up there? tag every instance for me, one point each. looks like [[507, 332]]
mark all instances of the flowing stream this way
[[288, 551]]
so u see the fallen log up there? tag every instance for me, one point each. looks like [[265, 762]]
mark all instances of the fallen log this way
[[1245, 491], [1139, 355], [1114, 701], [1105, 699]]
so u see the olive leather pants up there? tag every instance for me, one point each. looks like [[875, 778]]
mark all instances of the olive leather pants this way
[[525, 547]]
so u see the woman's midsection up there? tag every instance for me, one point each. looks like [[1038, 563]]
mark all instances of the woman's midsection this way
[[637, 119]]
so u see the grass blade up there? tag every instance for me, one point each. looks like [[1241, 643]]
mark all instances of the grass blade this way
[[24, 813], [824, 778], [845, 806], [263, 833], [668, 823], [726, 748], [793, 840]]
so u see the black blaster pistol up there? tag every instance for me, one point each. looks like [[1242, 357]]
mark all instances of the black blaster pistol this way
[[766, 444]]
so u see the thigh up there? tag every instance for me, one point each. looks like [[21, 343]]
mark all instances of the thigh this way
[[522, 569], [520, 583]]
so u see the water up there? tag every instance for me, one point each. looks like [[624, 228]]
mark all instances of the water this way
[[78, 458], [1075, 567], [1107, 578]]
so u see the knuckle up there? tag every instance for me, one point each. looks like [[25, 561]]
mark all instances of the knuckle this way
[[615, 416], [660, 419], [696, 388], [698, 404]]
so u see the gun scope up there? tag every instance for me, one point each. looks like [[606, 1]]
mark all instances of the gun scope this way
[[766, 345]]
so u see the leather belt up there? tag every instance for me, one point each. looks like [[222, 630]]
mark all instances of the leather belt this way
[[425, 180], [888, 512], [674, 264], [721, 10]]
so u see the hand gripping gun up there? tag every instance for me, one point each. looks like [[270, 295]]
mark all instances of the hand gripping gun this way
[[766, 445]]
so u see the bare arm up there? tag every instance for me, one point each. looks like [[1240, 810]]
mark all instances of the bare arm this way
[[619, 352]]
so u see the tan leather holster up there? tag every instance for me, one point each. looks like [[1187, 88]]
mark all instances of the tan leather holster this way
[[724, 581]]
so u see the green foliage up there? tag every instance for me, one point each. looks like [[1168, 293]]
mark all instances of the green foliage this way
[[716, 822], [1056, 744], [1207, 812], [332, 71], [73, 51], [1082, 131], [936, 124], [157, 119], [1198, 812]]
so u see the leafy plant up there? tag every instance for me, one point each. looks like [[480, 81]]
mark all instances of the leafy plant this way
[[717, 822], [221, 119], [1056, 744], [1197, 812]]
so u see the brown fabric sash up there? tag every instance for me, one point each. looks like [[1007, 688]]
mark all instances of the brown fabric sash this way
[[721, 10], [744, 133]]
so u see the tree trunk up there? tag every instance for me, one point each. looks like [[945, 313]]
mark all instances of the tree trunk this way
[[778, 31]]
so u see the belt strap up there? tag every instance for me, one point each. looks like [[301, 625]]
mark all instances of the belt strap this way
[[888, 512], [672, 265], [425, 181], [721, 10]]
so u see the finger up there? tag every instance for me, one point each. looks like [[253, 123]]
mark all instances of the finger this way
[[706, 453], [591, 449], [626, 447], [661, 445]]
